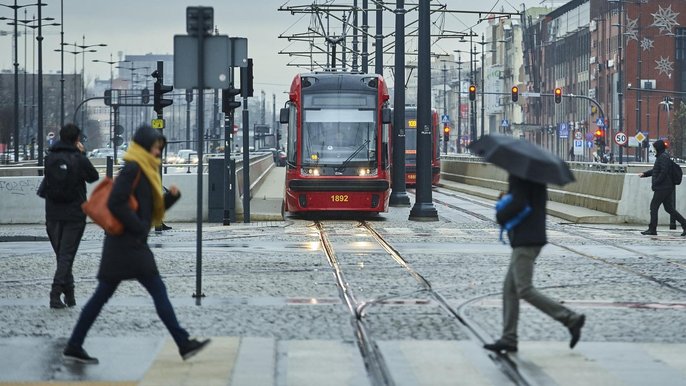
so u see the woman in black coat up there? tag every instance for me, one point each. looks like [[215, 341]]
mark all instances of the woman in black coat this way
[[128, 256]]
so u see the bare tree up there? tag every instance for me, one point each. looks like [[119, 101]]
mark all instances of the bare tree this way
[[676, 131]]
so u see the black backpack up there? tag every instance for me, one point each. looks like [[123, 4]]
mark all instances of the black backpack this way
[[675, 173], [62, 177]]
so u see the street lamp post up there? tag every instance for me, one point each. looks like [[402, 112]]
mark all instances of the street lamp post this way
[[74, 52], [85, 48], [15, 8]]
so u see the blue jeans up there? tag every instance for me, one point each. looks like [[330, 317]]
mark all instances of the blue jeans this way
[[153, 284]]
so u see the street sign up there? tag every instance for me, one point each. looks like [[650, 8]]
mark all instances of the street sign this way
[[220, 53], [578, 147], [600, 122], [564, 130], [505, 123], [157, 123], [445, 118], [640, 137], [578, 135], [621, 139]]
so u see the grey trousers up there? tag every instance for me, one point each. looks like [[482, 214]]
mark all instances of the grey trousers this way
[[518, 285]]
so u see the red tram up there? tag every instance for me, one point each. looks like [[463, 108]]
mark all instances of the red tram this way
[[338, 143], [411, 147]]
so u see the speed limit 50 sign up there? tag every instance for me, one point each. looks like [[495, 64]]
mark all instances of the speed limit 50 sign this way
[[621, 139]]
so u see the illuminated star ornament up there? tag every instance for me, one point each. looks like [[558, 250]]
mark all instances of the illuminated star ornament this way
[[632, 29], [665, 20], [647, 44], [664, 65]]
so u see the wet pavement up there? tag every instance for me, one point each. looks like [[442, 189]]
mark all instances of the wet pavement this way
[[273, 309]]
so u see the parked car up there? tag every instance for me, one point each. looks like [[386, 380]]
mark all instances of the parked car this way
[[186, 156], [102, 153], [280, 159]]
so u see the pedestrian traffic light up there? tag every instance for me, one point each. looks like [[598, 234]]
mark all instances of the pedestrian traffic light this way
[[515, 93], [558, 95], [145, 96], [229, 102], [117, 139], [159, 90], [472, 92], [446, 133]]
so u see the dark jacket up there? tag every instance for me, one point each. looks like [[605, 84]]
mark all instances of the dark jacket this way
[[660, 172], [71, 211], [128, 256], [531, 231]]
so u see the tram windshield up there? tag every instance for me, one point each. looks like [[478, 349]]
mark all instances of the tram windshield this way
[[339, 131]]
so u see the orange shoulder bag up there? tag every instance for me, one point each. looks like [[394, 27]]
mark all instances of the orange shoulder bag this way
[[96, 206]]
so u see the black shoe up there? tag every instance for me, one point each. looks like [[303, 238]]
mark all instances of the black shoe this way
[[69, 299], [650, 232], [684, 232], [500, 347], [162, 227], [192, 347], [78, 354], [575, 330], [56, 300]]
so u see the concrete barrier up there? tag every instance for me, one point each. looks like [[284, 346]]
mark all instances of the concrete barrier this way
[[19, 203], [614, 189]]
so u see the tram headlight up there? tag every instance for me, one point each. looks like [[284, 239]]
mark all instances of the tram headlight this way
[[366, 172], [311, 171]]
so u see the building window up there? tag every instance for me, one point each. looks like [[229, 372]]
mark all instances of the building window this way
[[681, 44]]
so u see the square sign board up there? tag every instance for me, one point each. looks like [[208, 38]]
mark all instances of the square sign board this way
[[220, 53]]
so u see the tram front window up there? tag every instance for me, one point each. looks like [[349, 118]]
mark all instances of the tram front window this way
[[339, 139]]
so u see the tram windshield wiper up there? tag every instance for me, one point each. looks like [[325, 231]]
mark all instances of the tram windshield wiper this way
[[345, 163]]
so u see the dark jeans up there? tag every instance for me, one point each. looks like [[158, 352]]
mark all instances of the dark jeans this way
[[105, 290], [65, 237], [664, 197]]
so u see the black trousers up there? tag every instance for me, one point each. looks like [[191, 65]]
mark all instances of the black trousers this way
[[664, 197], [65, 237]]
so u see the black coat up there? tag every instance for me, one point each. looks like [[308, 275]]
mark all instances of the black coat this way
[[128, 256], [71, 211], [531, 231], [660, 172]]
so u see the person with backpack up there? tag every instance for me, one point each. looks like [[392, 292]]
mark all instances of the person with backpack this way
[[127, 256], [66, 172], [663, 186], [527, 238]]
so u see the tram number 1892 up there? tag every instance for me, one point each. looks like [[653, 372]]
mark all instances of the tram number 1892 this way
[[339, 198]]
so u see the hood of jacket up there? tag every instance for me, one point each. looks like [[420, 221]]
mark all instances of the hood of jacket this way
[[659, 146], [145, 136]]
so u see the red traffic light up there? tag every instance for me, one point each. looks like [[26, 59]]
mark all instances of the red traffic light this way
[[446, 130], [472, 92], [558, 95], [599, 133]]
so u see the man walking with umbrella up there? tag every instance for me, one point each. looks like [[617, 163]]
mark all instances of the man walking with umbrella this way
[[530, 169]]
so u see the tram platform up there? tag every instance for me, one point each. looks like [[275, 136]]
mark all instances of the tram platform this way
[[259, 361]]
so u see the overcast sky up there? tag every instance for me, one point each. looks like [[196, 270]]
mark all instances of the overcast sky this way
[[139, 27]]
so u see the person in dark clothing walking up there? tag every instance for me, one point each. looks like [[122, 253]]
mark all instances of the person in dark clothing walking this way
[[65, 221], [128, 256], [527, 239], [663, 188]]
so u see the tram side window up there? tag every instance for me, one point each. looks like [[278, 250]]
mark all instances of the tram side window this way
[[292, 133], [384, 146]]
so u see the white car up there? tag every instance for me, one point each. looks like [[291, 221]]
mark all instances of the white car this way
[[103, 153], [187, 156]]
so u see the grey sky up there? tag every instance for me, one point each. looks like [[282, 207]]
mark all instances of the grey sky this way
[[148, 26]]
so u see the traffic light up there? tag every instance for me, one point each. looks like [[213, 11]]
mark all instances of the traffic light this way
[[247, 80], [558, 95], [229, 102], [145, 96], [446, 133], [108, 97], [117, 139], [599, 138], [515, 93], [159, 90], [472, 92]]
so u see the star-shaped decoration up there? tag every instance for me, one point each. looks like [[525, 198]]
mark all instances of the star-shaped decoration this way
[[632, 29], [664, 65], [647, 44], [665, 20]]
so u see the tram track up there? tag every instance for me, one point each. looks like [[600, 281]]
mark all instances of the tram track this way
[[374, 360]]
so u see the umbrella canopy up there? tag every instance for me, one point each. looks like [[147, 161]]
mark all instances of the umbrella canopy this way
[[523, 159]]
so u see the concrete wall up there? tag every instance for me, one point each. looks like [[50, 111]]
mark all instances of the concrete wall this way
[[19, 203], [614, 189]]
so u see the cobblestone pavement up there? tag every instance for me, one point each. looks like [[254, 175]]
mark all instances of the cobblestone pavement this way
[[271, 279]]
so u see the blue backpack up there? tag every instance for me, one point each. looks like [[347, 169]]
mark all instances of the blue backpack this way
[[504, 201]]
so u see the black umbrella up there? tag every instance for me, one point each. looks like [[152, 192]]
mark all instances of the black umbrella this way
[[523, 159]]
